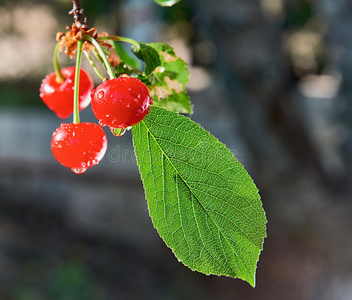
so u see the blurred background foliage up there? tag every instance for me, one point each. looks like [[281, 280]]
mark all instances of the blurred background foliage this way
[[269, 78]]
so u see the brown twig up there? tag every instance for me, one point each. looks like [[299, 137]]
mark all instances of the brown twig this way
[[78, 16]]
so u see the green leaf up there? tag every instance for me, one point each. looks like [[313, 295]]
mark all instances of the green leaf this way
[[201, 200], [167, 2], [147, 54], [167, 82]]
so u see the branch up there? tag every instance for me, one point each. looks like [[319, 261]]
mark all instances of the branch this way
[[78, 16]]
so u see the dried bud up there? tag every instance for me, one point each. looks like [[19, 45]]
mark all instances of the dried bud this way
[[79, 36], [86, 46], [59, 36], [102, 34], [114, 58], [92, 32], [71, 48]]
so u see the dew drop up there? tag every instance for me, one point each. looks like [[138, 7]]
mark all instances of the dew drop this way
[[160, 69], [100, 95], [78, 171], [118, 131], [145, 106], [101, 124]]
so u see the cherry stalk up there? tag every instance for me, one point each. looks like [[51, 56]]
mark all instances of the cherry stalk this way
[[76, 89]]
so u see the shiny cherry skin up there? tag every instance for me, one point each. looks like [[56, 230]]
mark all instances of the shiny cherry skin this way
[[121, 102], [59, 96], [79, 146]]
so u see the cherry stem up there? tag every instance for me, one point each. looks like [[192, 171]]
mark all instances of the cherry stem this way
[[60, 78], [76, 89], [101, 53], [97, 56], [94, 66], [121, 39], [78, 15]]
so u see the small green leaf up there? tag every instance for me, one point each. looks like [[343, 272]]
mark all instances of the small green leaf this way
[[125, 56], [149, 55], [167, 82], [201, 200], [167, 2]]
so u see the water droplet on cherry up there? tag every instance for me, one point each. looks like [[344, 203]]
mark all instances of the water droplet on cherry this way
[[145, 106], [101, 124], [100, 95], [118, 131], [78, 171]]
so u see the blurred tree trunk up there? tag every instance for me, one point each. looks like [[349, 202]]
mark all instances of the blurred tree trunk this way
[[339, 47]]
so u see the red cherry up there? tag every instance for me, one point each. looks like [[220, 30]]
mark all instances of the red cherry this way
[[121, 102], [59, 96], [79, 146]]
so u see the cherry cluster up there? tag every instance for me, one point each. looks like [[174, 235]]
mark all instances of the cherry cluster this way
[[118, 103]]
